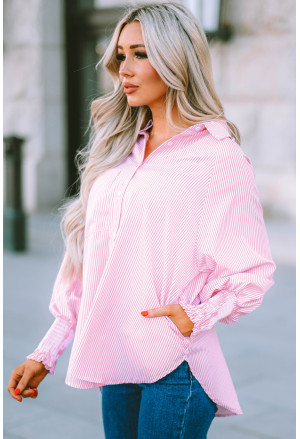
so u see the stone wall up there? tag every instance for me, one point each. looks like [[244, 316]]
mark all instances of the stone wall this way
[[34, 95]]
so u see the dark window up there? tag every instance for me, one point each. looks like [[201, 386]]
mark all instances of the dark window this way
[[88, 31]]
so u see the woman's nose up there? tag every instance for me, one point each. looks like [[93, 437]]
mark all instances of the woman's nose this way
[[126, 69]]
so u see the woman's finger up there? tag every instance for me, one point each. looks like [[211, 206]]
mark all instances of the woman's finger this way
[[12, 384], [30, 393], [23, 383], [166, 310]]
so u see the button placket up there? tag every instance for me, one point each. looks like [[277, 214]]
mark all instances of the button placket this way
[[119, 194], [117, 208]]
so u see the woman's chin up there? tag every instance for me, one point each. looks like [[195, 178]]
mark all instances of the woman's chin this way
[[135, 102]]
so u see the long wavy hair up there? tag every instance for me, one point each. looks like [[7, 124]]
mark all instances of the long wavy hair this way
[[167, 28]]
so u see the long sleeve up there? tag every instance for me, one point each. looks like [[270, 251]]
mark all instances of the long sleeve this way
[[64, 306], [232, 240]]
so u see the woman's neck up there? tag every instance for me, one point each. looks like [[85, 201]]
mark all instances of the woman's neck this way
[[160, 128]]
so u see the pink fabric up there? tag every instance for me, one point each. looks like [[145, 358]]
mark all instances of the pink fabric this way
[[184, 226]]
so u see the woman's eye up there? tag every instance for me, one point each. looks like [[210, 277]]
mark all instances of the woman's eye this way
[[139, 55]]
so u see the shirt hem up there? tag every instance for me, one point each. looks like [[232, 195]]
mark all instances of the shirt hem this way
[[223, 410]]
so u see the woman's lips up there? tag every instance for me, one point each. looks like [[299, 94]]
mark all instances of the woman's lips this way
[[130, 89]]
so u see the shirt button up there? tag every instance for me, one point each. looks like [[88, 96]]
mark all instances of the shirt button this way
[[197, 128]]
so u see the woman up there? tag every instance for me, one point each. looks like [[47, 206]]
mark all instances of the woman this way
[[165, 239]]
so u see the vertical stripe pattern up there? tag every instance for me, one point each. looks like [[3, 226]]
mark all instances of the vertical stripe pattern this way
[[185, 225]]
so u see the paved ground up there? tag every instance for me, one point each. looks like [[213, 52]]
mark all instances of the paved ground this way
[[259, 349]]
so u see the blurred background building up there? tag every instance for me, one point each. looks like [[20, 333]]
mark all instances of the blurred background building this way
[[51, 48]]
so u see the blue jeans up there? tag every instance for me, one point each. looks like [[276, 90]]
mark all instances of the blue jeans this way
[[174, 407]]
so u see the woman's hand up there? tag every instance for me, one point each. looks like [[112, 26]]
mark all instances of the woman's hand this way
[[25, 379], [177, 314]]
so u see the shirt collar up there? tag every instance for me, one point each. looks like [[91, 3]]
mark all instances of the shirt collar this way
[[217, 128]]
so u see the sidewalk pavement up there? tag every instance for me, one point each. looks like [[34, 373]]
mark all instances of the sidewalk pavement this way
[[259, 349]]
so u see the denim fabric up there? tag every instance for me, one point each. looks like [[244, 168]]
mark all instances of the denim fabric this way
[[174, 407]]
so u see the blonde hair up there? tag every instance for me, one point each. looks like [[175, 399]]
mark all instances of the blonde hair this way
[[168, 28]]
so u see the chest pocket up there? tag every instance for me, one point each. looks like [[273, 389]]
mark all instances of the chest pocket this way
[[102, 199]]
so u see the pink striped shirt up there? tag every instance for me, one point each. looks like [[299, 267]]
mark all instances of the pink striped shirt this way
[[183, 226]]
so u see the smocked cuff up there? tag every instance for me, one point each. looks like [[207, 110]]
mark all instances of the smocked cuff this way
[[44, 358], [54, 343], [207, 314]]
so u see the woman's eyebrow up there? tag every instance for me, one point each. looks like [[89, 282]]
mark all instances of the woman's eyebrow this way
[[133, 46]]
